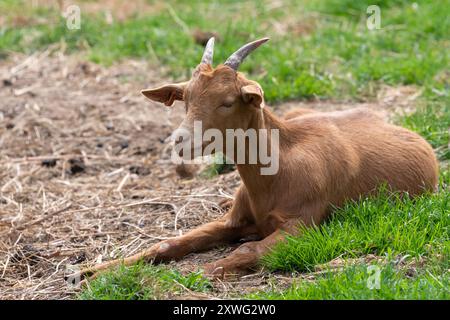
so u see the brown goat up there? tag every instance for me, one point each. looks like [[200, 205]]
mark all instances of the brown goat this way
[[325, 158]]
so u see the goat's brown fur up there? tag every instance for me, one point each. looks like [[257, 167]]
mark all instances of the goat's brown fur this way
[[325, 159]]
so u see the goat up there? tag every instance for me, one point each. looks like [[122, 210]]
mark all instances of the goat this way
[[325, 159]]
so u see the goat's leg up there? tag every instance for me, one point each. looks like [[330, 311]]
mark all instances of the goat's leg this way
[[248, 254], [206, 236]]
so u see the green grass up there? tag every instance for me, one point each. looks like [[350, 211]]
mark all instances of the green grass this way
[[357, 282], [143, 282], [218, 166], [323, 49], [432, 121], [385, 225], [381, 225]]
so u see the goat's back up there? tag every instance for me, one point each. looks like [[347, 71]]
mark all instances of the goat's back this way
[[351, 153]]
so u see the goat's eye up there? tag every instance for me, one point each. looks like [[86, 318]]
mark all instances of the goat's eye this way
[[227, 105]]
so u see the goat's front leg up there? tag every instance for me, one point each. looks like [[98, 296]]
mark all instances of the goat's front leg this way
[[248, 254], [204, 237], [234, 225]]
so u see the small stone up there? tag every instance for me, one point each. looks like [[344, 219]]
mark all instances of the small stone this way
[[49, 163], [76, 166]]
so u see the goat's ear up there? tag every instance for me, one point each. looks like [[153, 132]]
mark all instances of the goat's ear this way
[[253, 94], [166, 94]]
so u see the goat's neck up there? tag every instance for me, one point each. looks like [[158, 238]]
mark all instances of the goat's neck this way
[[251, 175]]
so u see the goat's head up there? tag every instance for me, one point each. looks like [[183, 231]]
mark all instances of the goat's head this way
[[218, 98]]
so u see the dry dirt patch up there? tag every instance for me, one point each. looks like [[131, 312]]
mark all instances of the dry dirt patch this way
[[85, 173]]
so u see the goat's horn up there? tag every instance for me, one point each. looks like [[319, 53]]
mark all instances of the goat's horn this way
[[209, 52], [236, 58]]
